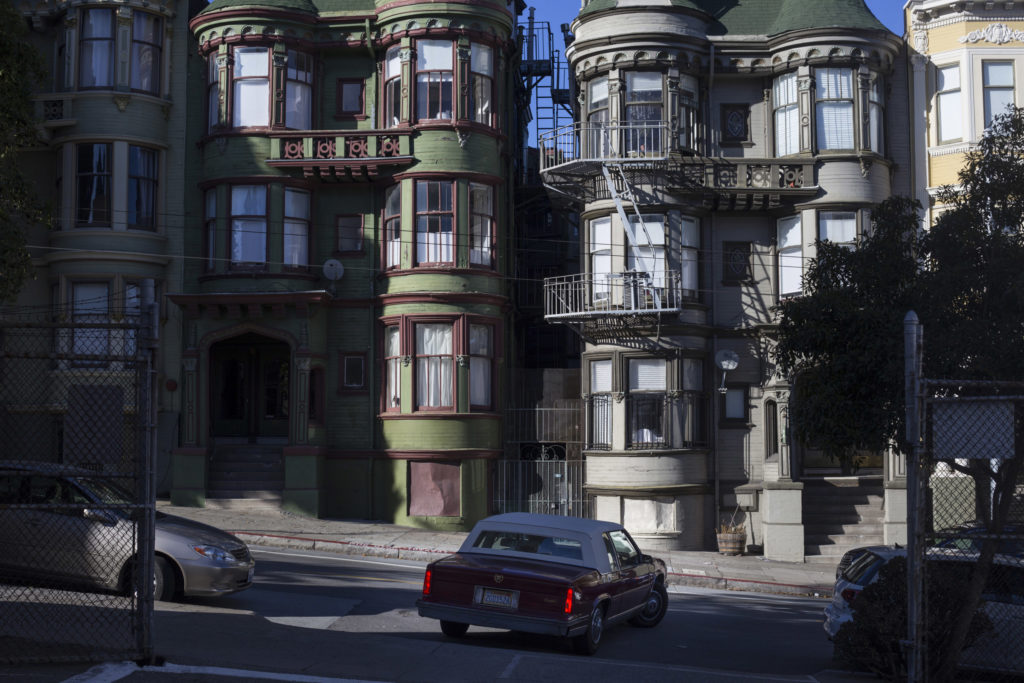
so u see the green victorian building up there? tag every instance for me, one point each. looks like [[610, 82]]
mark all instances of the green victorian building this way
[[344, 303]]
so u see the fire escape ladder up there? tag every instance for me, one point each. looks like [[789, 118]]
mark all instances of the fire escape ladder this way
[[646, 261]]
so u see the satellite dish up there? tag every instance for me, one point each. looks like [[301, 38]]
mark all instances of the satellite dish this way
[[727, 360], [333, 270]]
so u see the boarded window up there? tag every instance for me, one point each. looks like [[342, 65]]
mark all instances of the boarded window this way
[[434, 489]]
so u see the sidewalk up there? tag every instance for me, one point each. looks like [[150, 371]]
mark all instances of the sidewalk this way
[[356, 537]]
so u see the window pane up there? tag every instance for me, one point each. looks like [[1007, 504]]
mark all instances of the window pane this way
[[647, 374], [93, 200], [434, 55], [693, 374], [998, 73], [598, 92], [142, 187], [352, 98], [950, 126], [482, 60], [251, 62], [296, 204], [350, 233], [735, 404], [949, 78], [393, 65], [248, 200], [252, 103], [790, 255], [600, 376], [353, 372], [643, 87], [838, 227], [835, 125], [835, 84]]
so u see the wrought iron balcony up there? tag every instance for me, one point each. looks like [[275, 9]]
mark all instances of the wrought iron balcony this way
[[341, 156], [654, 420], [591, 296], [585, 143]]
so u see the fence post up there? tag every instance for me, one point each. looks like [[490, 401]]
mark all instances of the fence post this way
[[915, 643], [148, 335]]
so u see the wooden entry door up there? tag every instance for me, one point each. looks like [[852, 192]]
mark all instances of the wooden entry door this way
[[250, 379]]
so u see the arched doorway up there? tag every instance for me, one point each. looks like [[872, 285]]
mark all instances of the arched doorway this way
[[249, 387]]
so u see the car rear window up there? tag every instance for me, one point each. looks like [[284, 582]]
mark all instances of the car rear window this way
[[863, 569], [529, 543]]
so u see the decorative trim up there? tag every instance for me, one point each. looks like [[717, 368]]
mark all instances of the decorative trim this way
[[999, 34]]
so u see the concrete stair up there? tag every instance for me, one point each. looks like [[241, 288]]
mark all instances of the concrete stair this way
[[840, 513], [245, 476]]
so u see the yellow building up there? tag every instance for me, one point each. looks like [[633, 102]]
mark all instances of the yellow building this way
[[966, 59]]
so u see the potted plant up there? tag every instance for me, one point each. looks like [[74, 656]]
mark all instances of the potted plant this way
[[731, 536]]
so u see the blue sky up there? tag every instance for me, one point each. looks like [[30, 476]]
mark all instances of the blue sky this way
[[558, 12]]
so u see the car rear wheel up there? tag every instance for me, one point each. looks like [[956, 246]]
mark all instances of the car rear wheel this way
[[453, 629], [164, 581], [587, 643], [654, 608]]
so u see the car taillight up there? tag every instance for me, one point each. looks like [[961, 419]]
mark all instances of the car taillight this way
[[568, 601], [849, 594], [426, 583]]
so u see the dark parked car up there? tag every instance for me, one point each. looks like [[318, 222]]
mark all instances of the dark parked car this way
[[72, 528], [545, 574]]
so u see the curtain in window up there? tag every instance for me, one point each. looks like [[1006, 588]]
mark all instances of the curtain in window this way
[[393, 352], [480, 365], [296, 228], [434, 79], [646, 411], [600, 376], [248, 225], [838, 227], [787, 115], [252, 87], [93, 184], [601, 256], [142, 184], [96, 69], [950, 110], [393, 87], [299, 91], [689, 265], [434, 365], [482, 66], [147, 32], [835, 109], [393, 227], [791, 260], [434, 236]]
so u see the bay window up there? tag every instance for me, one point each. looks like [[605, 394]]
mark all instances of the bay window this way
[[599, 427], [686, 103], [393, 88], [96, 49], [839, 227], [876, 117], [481, 88], [435, 220], [434, 85], [210, 233], [787, 115], [90, 304], [93, 185], [647, 255], [689, 257], [480, 366], [645, 406], [393, 226], [296, 228], [834, 108], [791, 256], [997, 84], [434, 365], [948, 102], [601, 257], [299, 91], [644, 113], [142, 187], [481, 224], [147, 39], [248, 224], [597, 141], [392, 368], [251, 94]]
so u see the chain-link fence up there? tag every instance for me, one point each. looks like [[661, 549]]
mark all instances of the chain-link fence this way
[[971, 532], [76, 502]]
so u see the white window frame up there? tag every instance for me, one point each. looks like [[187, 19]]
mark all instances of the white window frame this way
[[949, 125], [600, 265], [790, 255], [787, 114], [834, 109], [997, 94], [838, 227], [250, 87]]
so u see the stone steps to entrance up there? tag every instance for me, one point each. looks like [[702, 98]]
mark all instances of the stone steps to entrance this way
[[246, 475], [841, 513]]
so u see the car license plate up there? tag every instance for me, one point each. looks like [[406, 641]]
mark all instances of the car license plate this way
[[493, 597]]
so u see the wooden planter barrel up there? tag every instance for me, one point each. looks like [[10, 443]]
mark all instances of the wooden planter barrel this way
[[731, 544]]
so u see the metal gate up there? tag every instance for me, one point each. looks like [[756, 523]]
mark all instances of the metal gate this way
[[553, 487], [76, 492]]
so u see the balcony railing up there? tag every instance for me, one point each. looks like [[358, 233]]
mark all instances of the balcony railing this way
[[654, 420], [545, 425], [587, 295], [340, 153], [605, 142]]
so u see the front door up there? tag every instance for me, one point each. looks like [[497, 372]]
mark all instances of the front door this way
[[250, 379]]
